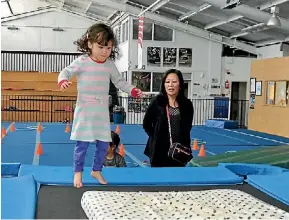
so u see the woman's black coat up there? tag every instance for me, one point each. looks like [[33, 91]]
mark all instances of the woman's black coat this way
[[155, 124]]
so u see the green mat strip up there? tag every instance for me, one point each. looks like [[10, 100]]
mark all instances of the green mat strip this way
[[277, 156]]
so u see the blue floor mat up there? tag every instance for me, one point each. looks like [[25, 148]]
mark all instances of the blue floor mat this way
[[274, 185], [137, 151], [18, 199], [212, 137], [264, 135], [130, 176], [246, 138], [15, 152], [226, 149], [19, 137], [62, 155]]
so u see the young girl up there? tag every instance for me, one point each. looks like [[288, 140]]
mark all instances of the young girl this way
[[94, 70]]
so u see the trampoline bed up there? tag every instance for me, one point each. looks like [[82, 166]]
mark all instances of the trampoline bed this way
[[154, 202]]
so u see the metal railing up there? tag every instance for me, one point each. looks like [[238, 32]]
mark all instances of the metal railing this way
[[39, 108], [35, 61]]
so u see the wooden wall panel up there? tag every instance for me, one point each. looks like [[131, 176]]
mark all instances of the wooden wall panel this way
[[269, 118], [39, 82], [44, 103]]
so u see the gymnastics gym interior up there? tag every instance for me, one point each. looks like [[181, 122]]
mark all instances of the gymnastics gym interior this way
[[234, 57]]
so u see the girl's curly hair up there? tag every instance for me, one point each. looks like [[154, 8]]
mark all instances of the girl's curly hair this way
[[101, 34]]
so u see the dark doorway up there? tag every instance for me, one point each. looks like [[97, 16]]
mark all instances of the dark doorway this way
[[239, 103]]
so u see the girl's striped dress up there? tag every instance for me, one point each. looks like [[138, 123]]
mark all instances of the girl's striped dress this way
[[91, 117]]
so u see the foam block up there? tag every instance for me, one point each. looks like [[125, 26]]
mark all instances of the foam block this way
[[273, 185], [19, 196], [10, 169], [128, 176], [252, 169], [223, 124]]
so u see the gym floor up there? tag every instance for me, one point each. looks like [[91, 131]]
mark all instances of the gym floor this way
[[20, 146]]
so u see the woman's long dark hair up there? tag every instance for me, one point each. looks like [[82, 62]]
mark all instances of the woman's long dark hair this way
[[181, 95]]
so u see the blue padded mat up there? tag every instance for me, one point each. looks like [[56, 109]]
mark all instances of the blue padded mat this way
[[130, 176], [274, 185], [19, 195], [224, 124], [245, 169], [10, 169]]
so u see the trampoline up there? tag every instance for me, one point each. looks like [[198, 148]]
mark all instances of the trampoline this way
[[64, 202], [225, 191]]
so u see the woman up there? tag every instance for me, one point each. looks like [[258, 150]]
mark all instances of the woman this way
[[155, 121]]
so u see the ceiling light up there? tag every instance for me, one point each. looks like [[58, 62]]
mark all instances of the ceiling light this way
[[274, 21]]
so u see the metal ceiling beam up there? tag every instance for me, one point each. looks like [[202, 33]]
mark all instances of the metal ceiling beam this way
[[257, 28], [153, 7], [88, 16], [262, 7], [27, 14], [174, 24], [257, 15], [270, 42], [112, 14], [194, 12], [88, 6], [159, 5]]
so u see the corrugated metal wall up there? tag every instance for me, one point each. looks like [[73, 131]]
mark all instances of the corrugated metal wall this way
[[35, 61]]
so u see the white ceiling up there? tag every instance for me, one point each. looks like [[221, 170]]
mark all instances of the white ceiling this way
[[207, 15]]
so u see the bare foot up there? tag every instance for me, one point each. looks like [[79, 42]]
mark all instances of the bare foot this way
[[97, 175], [78, 179]]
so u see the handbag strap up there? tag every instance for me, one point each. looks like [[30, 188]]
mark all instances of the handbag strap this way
[[169, 123]]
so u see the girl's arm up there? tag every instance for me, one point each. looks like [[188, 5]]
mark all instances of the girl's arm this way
[[68, 72], [119, 81]]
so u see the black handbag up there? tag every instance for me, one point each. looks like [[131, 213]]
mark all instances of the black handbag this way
[[178, 151]]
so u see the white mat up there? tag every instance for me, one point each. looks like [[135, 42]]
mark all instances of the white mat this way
[[207, 204]]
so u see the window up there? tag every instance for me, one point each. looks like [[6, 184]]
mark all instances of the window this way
[[157, 81], [124, 31], [117, 33], [124, 75], [162, 33], [142, 80], [277, 93], [147, 30]]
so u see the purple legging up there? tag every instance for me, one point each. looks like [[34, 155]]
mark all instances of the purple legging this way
[[99, 155]]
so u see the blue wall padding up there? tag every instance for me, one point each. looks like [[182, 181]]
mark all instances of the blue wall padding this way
[[128, 176], [276, 185], [19, 197], [244, 169], [10, 169], [223, 124]]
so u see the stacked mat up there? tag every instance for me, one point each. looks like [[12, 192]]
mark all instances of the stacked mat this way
[[277, 156]]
